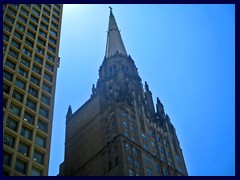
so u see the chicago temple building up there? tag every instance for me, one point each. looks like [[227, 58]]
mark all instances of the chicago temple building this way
[[118, 132]]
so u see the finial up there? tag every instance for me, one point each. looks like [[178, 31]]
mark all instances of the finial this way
[[158, 101], [110, 8], [69, 112], [146, 86]]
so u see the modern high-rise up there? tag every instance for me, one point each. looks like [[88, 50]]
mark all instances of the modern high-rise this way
[[117, 131], [31, 37]]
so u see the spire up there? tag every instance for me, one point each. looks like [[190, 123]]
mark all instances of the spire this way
[[114, 39], [69, 113]]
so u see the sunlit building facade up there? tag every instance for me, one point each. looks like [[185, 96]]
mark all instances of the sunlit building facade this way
[[118, 132], [31, 37]]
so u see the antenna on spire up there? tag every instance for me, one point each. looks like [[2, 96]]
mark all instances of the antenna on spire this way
[[110, 8]]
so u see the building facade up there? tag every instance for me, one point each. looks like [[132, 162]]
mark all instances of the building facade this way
[[117, 132], [31, 37]]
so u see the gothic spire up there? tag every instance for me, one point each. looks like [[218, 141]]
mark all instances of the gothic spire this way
[[114, 39]]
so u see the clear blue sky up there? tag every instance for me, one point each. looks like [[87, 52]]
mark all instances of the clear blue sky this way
[[186, 53]]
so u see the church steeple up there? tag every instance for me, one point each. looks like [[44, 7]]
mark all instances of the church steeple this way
[[114, 39]]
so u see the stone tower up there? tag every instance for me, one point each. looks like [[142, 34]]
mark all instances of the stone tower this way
[[117, 131]]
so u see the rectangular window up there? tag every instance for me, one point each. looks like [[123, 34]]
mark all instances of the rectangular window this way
[[45, 18], [126, 134], [24, 12], [19, 26], [6, 27], [36, 69], [31, 25], [56, 12], [165, 143], [13, 54], [144, 137], [131, 129], [157, 167], [25, 62], [21, 166], [8, 140], [46, 88], [45, 99], [10, 64], [50, 57], [49, 67], [38, 59], [42, 33], [28, 118], [23, 149], [34, 19], [32, 35], [6, 88], [46, 12], [11, 12], [12, 124], [19, 36], [124, 124], [147, 160], [48, 77], [145, 147], [5, 37], [38, 49], [38, 157], [40, 141], [53, 33], [153, 144], [165, 172], [52, 40], [9, 19], [55, 18], [35, 80], [36, 12], [20, 84], [31, 104], [15, 44], [43, 112], [18, 96], [160, 149], [6, 158], [15, 110], [33, 92], [129, 159], [55, 5], [50, 48], [54, 25], [136, 164], [41, 42], [127, 147], [48, 6], [130, 172], [149, 172], [132, 139], [38, 6], [35, 172], [42, 126], [27, 6], [23, 72], [134, 151], [7, 75], [25, 132], [22, 19], [44, 26], [27, 52], [124, 115], [29, 43]]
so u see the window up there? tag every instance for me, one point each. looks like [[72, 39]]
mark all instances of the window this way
[[153, 144], [40, 141], [7, 75], [124, 124], [131, 128], [37, 6], [27, 52], [134, 151], [38, 157], [18, 35], [136, 164], [55, 18], [165, 143], [25, 132], [36, 69], [144, 137], [38, 59], [52, 40], [157, 167], [124, 115], [10, 64], [15, 110], [23, 148], [20, 84], [22, 18], [149, 172], [55, 5], [36, 12], [150, 133], [145, 147], [130, 172], [6, 158], [53, 33], [52, 49], [9, 19], [20, 166], [48, 89], [6, 88], [35, 172], [35, 80], [44, 26], [5, 37], [54, 25], [39, 50], [13, 54], [127, 147], [32, 91], [45, 18], [126, 134], [109, 165], [48, 6], [33, 26], [9, 140], [24, 12], [25, 62], [27, 6], [158, 138], [55, 12], [12, 124], [48, 77], [32, 35], [11, 12], [28, 118], [50, 57], [6, 27], [45, 99], [29, 43], [168, 154], [22, 72], [41, 42], [165, 172], [31, 104], [34, 19], [129, 159], [19, 26], [18, 96], [46, 12], [15, 44], [42, 126], [42, 33], [147, 160], [43, 112]]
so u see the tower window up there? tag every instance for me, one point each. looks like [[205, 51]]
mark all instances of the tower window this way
[[25, 132], [23, 148], [12, 124], [20, 166]]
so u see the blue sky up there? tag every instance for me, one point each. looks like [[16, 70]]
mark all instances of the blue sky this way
[[186, 53]]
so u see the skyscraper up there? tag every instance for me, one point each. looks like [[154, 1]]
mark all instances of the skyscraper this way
[[31, 37], [117, 131]]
